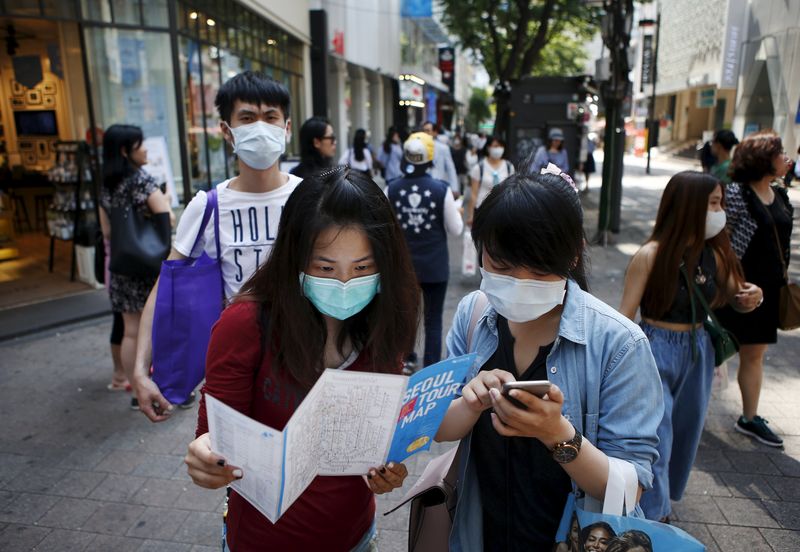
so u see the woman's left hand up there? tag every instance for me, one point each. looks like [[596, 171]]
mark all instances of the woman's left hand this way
[[385, 479], [749, 297], [542, 419]]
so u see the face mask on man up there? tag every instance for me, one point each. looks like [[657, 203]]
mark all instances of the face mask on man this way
[[522, 300], [496, 153], [340, 300], [259, 145], [715, 223]]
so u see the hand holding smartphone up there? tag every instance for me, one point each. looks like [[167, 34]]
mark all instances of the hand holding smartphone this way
[[536, 387]]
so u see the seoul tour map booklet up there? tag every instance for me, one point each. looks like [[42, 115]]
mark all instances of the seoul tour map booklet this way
[[348, 423]]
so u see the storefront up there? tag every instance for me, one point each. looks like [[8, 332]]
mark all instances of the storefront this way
[[71, 66]]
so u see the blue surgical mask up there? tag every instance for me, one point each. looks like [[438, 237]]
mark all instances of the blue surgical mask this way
[[340, 300]]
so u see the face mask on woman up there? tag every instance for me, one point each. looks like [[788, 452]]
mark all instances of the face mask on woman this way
[[340, 300], [496, 153], [259, 144], [522, 300], [715, 223]]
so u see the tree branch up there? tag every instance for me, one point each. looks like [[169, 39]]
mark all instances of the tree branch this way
[[540, 40], [496, 48], [523, 19]]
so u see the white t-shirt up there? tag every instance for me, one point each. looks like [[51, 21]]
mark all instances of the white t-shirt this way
[[491, 177], [248, 224], [349, 158]]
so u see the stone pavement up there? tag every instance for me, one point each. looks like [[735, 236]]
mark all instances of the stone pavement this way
[[79, 471]]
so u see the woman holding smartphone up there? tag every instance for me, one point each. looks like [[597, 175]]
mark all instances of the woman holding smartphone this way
[[338, 291], [518, 465]]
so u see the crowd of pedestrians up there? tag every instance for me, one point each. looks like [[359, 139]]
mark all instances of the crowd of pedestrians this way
[[321, 268]]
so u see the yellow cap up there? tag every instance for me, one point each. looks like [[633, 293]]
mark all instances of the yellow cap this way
[[418, 148]]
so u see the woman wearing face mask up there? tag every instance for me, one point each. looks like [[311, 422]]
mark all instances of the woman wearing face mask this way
[[519, 463], [390, 155], [317, 147], [554, 152], [488, 173], [687, 245], [339, 291]]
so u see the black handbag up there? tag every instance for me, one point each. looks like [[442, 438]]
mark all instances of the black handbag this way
[[99, 257], [138, 243], [725, 343]]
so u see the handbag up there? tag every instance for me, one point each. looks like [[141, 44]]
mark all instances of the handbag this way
[[725, 343], [99, 257], [189, 301], [616, 519], [789, 305], [434, 496], [138, 243], [469, 256]]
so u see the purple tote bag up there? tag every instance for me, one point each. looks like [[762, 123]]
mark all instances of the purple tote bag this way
[[189, 301]]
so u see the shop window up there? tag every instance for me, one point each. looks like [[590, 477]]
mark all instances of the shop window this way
[[126, 12], [96, 10], [65, 9], [155, 13], [132, 82]]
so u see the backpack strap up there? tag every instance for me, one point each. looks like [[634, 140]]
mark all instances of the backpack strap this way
[[478, 306]]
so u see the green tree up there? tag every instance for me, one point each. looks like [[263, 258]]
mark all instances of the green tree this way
[[478, 110], [517, 38]]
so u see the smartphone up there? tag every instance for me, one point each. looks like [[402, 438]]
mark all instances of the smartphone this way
[[536, 387]]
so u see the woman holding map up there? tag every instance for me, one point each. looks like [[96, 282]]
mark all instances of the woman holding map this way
[[338, 291], [524, 454]]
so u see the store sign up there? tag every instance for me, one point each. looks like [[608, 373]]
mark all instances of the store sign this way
[[447, 65], [410, 91], [647, 61], [734, 35], [158, 165], [417, 8], [706, 98]]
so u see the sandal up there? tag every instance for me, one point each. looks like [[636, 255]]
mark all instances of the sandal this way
[[115, 386]]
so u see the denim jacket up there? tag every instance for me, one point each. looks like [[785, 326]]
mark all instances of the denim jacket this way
[[602, 363]]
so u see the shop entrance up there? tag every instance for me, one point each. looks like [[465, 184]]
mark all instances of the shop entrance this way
[[44, 202]]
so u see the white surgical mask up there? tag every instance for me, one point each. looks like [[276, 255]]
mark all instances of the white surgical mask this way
[[522, 300], [496, 153], [259, 144], [715, 223]]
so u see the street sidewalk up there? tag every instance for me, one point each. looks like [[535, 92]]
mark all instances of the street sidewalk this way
[[79, 471]]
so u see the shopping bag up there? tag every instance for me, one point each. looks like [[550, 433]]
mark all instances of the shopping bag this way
[[469, 256], [189, 301], [614, 526], [719, 382]]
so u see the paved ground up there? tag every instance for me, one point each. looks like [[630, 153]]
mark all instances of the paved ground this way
[[78, 471]]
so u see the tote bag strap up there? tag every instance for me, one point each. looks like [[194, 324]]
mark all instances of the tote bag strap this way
[[621, 489], [778, 240], [478, 306], [212, 206]]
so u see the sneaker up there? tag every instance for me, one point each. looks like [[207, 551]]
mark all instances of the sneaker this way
[[134, 403], [188, 403], [757, 428]]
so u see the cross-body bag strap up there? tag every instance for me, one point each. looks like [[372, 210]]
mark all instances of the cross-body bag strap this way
[[477, 310], [694, 310]]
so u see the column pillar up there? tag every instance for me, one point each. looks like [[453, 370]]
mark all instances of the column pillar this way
[[377, 118], [337, 110]]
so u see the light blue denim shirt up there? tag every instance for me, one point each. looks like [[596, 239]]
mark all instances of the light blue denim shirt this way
[[602, 363]]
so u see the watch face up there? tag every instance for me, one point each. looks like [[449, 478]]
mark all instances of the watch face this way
[[565, 453]]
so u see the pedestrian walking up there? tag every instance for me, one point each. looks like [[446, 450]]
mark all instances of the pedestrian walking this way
[[127, 185], [760, 225], [493, 169], [687, 254], [390, 155], [443, 166], [427, 213], [358, 157], [459, 152], [553, 152], [338, 292], [588, 166], [317, 147], [517, 466], [721, 147], [254, 110]]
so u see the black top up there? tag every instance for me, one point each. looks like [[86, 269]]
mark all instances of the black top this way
[[308, 168], [762, 260], [680, 311], [523, 490]]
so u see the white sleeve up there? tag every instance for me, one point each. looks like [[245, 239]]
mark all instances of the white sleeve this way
[[475, 172], [368, 159], [189, 226], [345, 157], [450, 167], [453, 223]]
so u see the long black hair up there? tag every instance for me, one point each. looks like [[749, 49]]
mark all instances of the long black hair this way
[[116, 166], [387, 144], [313, 129], [359, 144], [534, 221], [294, 329]]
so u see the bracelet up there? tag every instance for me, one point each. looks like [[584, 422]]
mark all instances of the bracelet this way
[[760, 301]]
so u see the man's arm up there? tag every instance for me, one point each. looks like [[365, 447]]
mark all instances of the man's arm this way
[[151, 402]]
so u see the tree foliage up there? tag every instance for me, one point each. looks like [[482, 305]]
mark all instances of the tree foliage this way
[[517, 38], [478, 109]]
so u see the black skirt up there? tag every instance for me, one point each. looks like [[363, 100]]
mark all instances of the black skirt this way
[[757, 327]]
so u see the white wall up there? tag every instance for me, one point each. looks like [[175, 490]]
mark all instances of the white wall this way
[[291, 15]]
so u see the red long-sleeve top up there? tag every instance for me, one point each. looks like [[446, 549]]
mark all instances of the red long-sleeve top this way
[[333, 513]]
